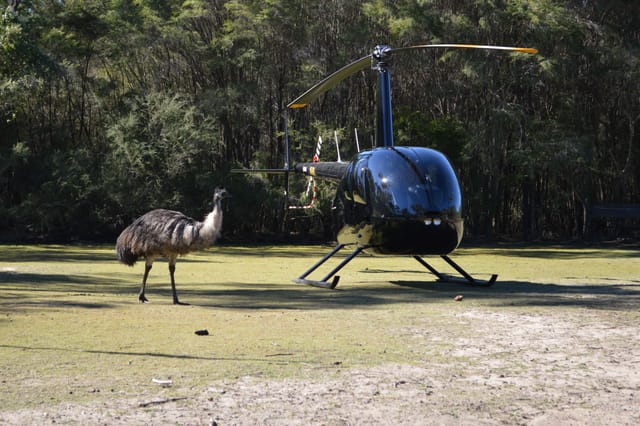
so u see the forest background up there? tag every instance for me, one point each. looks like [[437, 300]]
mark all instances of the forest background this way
[[110, 108]]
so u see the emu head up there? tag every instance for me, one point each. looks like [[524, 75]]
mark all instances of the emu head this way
[[219, 195]]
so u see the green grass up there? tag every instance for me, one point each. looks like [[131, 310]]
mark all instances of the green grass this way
[[71, 329]]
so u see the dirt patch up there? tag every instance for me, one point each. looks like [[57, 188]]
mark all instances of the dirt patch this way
[[513, 367]]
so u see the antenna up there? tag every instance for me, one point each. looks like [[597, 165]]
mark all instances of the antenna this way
[[287, 153], [335, 135], [287, 164], [355, 130]]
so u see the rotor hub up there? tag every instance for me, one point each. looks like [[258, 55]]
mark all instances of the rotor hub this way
[[381, 53]]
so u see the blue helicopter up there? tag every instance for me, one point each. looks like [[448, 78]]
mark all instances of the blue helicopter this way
[[390, 200]]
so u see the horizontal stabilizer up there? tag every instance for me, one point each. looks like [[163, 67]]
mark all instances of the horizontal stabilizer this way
[[268, 171]]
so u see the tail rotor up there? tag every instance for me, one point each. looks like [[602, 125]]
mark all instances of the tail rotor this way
[[311, 182]]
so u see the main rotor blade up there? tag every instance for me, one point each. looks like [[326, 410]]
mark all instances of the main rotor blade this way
[[467, 46], [329, 82]]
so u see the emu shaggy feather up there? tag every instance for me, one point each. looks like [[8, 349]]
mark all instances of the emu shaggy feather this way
[[167, 233]]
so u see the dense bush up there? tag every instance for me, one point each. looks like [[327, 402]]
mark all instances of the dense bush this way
[[111, 108]]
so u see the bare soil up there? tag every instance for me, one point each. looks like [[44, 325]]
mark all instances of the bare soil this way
[[580, 368]]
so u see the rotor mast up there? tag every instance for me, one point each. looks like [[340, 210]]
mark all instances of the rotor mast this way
[[384, 116]]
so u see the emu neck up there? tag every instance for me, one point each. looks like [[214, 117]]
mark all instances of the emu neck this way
[[212, 224]]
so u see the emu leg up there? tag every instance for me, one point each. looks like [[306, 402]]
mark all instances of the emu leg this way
[[172, 270], [147, 267]]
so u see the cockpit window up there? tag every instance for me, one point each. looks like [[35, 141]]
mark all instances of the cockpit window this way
[[406, 181]]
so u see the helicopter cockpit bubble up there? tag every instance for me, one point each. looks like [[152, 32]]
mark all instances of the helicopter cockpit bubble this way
[[405, 182]]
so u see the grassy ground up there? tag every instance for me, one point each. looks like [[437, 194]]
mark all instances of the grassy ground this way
[[73, 335]]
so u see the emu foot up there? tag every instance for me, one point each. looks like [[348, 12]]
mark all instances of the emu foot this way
[[177, 302], [142, 298]]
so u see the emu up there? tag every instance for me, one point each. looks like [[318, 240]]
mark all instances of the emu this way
[[167, 233]]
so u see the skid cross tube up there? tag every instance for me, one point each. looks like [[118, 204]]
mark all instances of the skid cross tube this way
[[325, 283], [465, 279], [431, 269]]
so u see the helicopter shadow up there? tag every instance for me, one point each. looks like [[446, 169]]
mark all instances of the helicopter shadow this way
[[614, 295], [605, 295]]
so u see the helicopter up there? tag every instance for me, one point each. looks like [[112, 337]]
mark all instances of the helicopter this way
[[390, 200]]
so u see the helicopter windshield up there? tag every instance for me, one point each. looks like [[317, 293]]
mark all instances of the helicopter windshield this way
[[405, 182]]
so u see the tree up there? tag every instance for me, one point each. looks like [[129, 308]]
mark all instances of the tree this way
[[108, 108]]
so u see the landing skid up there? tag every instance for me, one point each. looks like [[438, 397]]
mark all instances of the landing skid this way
[[330, 281], [465, 279], [325, 283]]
